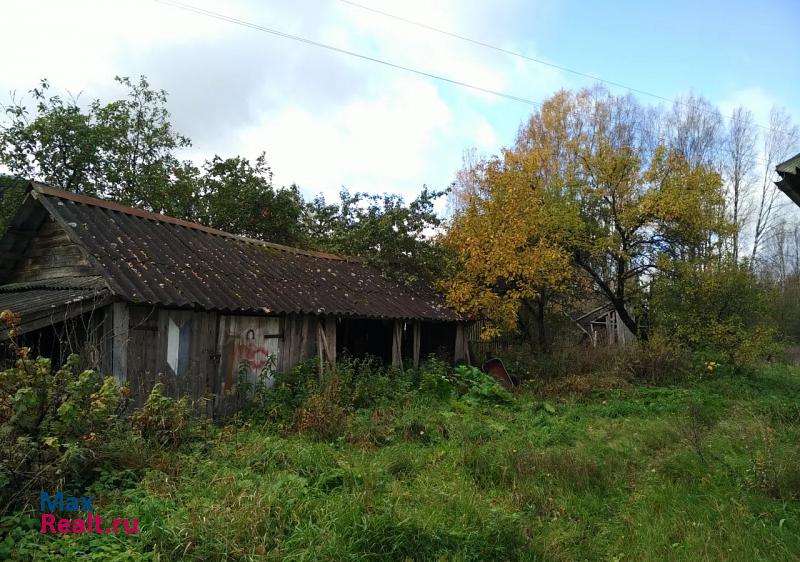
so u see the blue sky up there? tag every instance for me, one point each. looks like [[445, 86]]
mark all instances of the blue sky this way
[[326, 120], [715, 48]]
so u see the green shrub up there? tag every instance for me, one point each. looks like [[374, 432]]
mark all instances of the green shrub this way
[[52, 425], [657, 360], [475, 386], [323, 414], [163, 420], [278, 404], [469, 384], [435, 380], [721, 310]]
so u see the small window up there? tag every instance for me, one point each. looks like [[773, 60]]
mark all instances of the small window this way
[[178, 343]]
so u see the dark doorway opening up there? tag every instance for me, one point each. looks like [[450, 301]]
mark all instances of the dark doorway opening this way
[[360, 337], [58, 341], [438, 339]]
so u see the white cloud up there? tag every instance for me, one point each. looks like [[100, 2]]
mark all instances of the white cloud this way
[[325, 120], [379, 144]]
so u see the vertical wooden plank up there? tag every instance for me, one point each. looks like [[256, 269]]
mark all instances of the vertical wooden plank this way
[[121, 321], [162, 369], [284, 331], [417, 340], [106, 332], [397, 344], [330, 339], [461, 350], [320, 346]]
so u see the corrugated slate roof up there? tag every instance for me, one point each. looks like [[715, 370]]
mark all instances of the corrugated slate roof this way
[[791, 165], [36, 307], [88, 282], [790, 178], [154, 259]]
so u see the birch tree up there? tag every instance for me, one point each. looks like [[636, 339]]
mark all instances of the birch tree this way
[[779, 142], [738, 165]]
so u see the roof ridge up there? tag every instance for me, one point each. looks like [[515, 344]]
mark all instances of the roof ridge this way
[[44, 189]]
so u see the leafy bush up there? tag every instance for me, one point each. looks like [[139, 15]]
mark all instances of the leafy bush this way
[[469, 384], [163, 420], [361, 383], [435, 380], [52, 424], [475, 386], [721, 310], [657, 360], [323, 414]]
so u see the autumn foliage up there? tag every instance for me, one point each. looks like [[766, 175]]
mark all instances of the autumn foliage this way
[[588, 198]]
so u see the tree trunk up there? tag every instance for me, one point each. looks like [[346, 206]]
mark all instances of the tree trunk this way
[[541, 303]]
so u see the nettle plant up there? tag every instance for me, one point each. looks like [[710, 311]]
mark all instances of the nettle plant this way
[[51, 423]]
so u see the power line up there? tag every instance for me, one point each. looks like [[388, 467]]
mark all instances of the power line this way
[[533, 59], [278, 33], [257, 27]]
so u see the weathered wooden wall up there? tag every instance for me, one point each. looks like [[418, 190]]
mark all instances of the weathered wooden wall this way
[[299, 340], [146, 351], [202, 354], [49, 255]]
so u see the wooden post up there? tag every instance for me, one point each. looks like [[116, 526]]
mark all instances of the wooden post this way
[[326, 342], [417, 338], [330, 340], [461, 348], [397, 344], [119, 346]]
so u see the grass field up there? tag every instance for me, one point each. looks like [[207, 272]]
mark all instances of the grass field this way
[[704, 470]]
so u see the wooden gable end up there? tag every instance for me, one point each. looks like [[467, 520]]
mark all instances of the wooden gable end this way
[[50, 254]]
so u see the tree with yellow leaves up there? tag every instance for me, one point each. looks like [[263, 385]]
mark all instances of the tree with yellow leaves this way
[[586, 192]]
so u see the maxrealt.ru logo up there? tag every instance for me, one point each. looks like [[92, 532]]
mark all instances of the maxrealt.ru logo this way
[[88, 523]]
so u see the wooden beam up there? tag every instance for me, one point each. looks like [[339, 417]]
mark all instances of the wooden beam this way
[[397, 344], [119, 346], [330, 340], [461, 348], [417, 341]]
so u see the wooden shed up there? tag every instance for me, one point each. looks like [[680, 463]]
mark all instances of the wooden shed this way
[[789, 182], [603, 327], [150, 298]]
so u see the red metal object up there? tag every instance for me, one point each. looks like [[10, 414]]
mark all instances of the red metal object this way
[[494, 368]]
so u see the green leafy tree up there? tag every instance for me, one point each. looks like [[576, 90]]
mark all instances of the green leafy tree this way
[[124, 150], [12, 193], [398, 238], [722, 309], [238, 196]]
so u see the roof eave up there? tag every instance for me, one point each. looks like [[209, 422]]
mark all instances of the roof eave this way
[[790, 185]]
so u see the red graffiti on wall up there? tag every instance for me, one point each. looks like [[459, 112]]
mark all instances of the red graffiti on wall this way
[[255, 355]]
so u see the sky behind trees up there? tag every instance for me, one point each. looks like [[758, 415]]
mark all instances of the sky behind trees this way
[[327, 120]]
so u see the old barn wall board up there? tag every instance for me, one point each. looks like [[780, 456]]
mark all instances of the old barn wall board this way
[[149, 340], [119, 346], [299, 340], [246, 346], [51, 254], [143, 351]]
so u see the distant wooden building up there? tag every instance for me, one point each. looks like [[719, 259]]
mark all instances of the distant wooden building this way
[[789, 173], [602, 326], [149, 297]]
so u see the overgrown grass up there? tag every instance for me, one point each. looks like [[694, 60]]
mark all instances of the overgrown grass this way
[[704, 469]]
